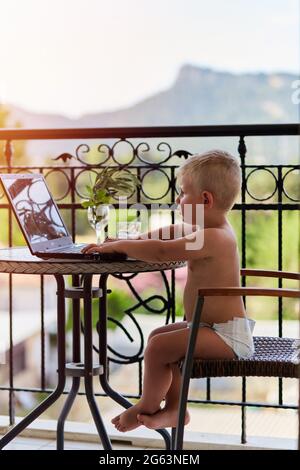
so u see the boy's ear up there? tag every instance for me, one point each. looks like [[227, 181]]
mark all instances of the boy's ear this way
[[207, 198]]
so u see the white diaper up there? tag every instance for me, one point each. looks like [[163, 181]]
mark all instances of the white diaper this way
[[237, 333]]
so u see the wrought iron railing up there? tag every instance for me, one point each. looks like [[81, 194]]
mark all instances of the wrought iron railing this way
[[162, 164]]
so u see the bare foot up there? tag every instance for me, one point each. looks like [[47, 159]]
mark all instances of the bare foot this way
[[115, 419], [127, 421], [165, 418]]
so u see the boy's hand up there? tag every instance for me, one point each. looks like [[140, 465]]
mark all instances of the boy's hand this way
[[103, 248]]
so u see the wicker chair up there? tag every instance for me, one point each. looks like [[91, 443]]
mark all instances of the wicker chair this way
[[273, 357]]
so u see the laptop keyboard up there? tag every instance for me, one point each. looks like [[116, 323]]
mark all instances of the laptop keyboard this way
[[71, 249], [76, 250]]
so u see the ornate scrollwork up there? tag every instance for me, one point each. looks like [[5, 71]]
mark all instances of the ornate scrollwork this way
[[182, 154], [79, 184], [122, 143], [110, 153], [117, 356], [68, 189], [82, 149], [285, 182], [250, 175], [64, 157], [155, 172]]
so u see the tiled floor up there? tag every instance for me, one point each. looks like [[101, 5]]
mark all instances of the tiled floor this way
[[27, 443], [268, 429]]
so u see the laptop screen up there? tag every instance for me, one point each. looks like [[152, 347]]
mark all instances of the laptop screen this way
[[36, 210]]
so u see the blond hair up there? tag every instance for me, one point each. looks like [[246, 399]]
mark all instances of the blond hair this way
[[215, 171]]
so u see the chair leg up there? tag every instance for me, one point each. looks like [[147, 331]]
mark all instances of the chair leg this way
[[173, 437], [243, 412], [178, 444], [186, 374], [299, 408]]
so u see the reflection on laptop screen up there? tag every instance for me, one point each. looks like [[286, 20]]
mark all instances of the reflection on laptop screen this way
[[35, 208]]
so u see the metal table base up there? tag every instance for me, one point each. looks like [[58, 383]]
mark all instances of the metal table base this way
[[77, 369]]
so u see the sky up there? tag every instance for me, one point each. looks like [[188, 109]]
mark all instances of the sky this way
[[74, 57]]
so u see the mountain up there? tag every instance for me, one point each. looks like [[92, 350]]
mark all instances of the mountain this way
[[198, 96], [203, 96]]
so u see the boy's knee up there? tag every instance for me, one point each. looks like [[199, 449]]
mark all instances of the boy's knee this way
[[153, 348], [153, 333]]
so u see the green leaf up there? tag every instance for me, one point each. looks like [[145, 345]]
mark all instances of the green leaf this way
[[102, 196], [86, 204], [100, 192], [111, 181], [90, 190]]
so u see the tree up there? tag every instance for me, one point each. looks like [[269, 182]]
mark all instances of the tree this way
[[19, 148]]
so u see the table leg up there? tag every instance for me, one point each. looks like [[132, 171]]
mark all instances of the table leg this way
[[88, 362], [76, 359], [61, 352], [65, 411], [103, 357]]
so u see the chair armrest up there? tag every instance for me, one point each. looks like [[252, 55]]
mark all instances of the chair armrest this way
[[247, 291], [263, 273]]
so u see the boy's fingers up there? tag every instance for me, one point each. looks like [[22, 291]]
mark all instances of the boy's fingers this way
[[93, 249], [86, 248]]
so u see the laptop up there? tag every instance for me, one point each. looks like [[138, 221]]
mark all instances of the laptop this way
[[40, 221]]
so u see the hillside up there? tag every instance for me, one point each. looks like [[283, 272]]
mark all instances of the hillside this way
[[197, 96]]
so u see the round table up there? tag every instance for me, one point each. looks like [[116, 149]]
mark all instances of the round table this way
[[21, 261]]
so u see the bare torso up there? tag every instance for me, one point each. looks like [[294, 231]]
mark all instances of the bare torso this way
[[222, 269]]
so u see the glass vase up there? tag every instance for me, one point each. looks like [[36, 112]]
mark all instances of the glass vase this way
[[98, 219]]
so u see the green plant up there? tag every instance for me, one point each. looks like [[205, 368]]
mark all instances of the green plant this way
[[111, 181]]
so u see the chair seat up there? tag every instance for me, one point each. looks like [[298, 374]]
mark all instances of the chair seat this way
[[273, 357]]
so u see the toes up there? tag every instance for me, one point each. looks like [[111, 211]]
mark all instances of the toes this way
[[121, 427], [115, 419]]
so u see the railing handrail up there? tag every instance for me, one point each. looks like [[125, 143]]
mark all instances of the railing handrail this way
[[156, 131]]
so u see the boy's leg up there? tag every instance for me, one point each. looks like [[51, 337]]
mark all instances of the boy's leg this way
[[208, 346], [155, 332], [157, 380], [172, 397], [167, 328], [162, 351], [169, 413]]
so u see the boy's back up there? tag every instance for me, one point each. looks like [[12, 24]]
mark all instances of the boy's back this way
[[220, 268]]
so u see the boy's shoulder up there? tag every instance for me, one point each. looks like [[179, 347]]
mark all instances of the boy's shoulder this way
[[220, 237]]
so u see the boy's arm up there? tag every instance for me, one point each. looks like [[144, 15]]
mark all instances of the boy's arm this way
[[200, 244], [169, 232]]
